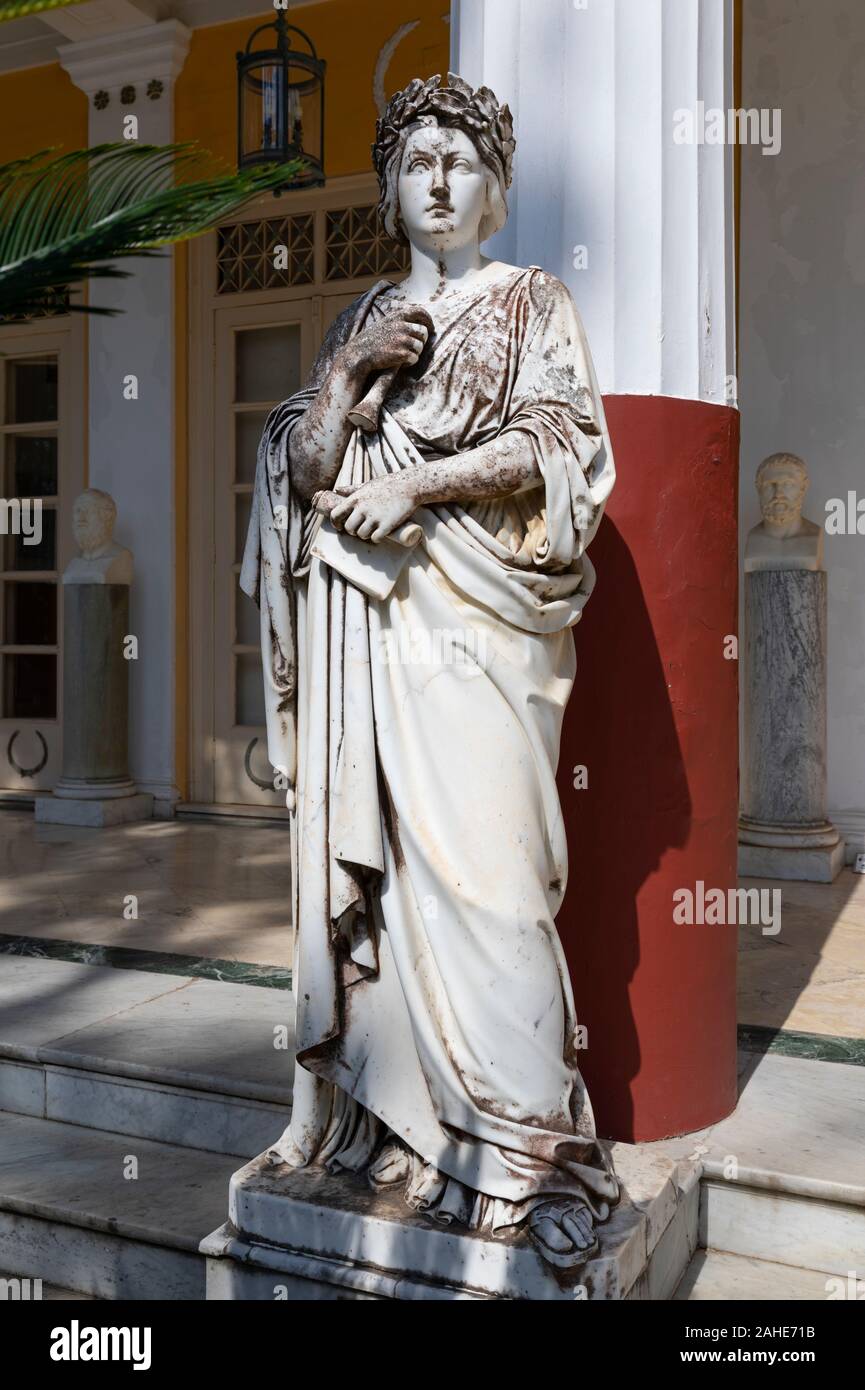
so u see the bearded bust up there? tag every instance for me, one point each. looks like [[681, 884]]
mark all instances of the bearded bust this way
[[102, 560], [784, 539]]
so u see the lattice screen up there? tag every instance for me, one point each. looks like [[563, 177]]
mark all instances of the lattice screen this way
[[246, 258], [356, 244], [55, 305]]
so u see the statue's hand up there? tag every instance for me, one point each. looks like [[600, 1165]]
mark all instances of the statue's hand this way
[[370, 510], [396, 341]]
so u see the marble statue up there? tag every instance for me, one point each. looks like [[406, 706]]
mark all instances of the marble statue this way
[[102, 560], [784, 539], [443, 470], [784, 830]]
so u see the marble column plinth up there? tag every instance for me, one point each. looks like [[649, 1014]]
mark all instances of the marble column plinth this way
[[95, 788], [784, 831]]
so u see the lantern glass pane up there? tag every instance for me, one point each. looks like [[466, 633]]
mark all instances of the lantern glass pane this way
[[304, 112], [263, 112]]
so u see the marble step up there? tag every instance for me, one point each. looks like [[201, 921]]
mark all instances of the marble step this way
[[772, 1219], [717, 1276], [104, 1215], [198, 1063], [784, 1177]]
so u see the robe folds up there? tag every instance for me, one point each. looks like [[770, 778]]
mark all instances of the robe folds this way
[[415, 693]]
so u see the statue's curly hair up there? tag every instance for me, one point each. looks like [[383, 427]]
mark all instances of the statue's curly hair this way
[[791, 462], [454, 103]]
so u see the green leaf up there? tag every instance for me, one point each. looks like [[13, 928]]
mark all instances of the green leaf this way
[[16, 9], [64, 218]]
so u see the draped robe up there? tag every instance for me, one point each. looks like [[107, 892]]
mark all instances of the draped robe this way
[[415, 697]]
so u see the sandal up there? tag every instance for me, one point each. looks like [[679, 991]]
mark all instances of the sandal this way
[[562, 1213], [390, 1167]]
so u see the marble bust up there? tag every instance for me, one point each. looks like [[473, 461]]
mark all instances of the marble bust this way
[[436, 1025], [784, 539], [102, 560]]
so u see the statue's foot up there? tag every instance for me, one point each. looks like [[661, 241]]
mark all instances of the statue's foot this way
[[285, 1152], [564, 1232], [390, 1167]]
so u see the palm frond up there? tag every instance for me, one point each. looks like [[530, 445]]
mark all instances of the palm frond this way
[[64, 218], [17, 9]]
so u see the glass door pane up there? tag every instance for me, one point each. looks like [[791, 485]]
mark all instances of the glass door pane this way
[[267, 363], [29, 642], [267, 370], [262, 355]]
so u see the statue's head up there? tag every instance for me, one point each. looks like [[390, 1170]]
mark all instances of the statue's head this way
[[444, 157], [781, 482], [93, 516]]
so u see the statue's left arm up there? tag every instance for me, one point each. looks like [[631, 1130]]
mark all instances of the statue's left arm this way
[[505, 465]]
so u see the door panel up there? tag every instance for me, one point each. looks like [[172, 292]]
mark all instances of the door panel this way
[[40, 473], [255, 327], [262, 355]]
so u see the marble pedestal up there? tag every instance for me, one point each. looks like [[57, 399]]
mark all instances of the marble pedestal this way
[[95, 788], [61, 808], [306, 1235], [784, 831]]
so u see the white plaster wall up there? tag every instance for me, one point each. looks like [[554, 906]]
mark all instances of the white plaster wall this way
[[802, 314], [131, 442]]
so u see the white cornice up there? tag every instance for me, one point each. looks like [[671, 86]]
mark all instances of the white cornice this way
[[97, 17], [156, 50], [21, 48]]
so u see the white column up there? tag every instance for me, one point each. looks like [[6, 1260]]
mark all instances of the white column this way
[[594, 85], [131, 442]]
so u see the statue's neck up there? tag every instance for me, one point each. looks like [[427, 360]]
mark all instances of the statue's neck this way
[[784, 531], [434, 272], [99, 552]]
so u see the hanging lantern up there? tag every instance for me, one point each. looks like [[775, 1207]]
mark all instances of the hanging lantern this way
[[280, 102]]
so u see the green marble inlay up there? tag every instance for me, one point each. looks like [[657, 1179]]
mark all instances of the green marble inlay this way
[[235, 972], [814, 1047]]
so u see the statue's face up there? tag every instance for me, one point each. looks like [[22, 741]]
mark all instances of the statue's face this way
[[782, 493], [92, 524], [443, 188]]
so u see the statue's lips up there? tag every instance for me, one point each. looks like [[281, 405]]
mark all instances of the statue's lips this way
[[441, 209]]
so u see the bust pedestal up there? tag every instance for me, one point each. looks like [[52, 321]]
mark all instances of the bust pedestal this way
[[783, 830], [95, 788]]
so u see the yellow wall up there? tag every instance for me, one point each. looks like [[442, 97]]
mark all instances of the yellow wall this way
[[40, 108], [349, 35]]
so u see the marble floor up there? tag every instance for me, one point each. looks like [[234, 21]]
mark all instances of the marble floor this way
[[810, 976], [202, 889], [219, 893]]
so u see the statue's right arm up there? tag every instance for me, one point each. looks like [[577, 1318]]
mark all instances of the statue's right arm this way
[[320, 438]]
